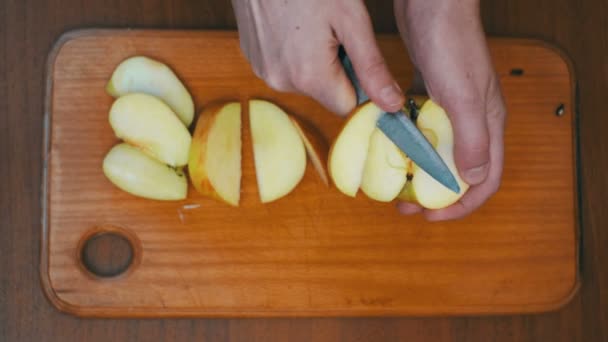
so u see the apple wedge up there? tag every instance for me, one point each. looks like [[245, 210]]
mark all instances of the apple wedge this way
[[423, 189], [140, 74], [279, 153], [316, 148], [136, 173], [146, 122], [215, 153], [385, 171], [349, 151]]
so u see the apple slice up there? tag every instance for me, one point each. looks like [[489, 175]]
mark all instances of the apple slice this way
[[215, 154], [140, 74], [385, 170], [136, 173], [146, 122], [279, 153], [349, 151], [316, 148], [423, 189]]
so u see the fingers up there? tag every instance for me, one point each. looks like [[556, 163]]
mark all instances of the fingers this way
[[356, 34], [406, 208]]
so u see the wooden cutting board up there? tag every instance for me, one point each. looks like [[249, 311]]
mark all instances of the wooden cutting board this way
[[315, 252]]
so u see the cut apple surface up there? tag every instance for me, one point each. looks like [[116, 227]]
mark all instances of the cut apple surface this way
[[215, 154], [350, 149], [316, 149], [385, 171], [279, 153], [140, 74], [148, 123], [136, 173], [423, 189]]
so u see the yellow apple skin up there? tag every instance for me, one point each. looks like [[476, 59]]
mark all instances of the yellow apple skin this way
[[278, 149], [134, 172], [316, 148], [216, 153], [141, 74], [349, 150], [146, 122], [385, 170], [423, 189]]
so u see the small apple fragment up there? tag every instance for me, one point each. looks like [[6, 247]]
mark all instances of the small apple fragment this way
[[140, 74], [423, 189], [385, 171], [316, 148], [279, 153], [349, 151], [136, 173], [146, 122], [215, 154]]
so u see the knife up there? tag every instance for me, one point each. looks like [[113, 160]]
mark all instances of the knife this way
[[404, 133]]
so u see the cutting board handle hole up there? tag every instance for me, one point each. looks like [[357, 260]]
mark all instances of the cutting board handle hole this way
[[109, 252]]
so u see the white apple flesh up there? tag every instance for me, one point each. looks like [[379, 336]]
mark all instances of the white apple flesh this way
[[215, 154], [146, 122], [140, 74], [279, 153], [350, 149], [136, 173], [385, 171]]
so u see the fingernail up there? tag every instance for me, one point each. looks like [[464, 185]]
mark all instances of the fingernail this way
[[476, 175], [391, 95]]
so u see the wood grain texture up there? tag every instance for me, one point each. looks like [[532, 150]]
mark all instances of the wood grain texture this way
[[28, 28], [315, 252]]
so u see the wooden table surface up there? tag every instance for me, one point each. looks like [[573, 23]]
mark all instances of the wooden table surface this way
[[28, 28]]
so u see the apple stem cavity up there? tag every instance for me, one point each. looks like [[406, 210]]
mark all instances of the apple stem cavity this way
[[414, 111]]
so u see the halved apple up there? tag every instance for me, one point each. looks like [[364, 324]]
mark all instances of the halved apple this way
[[279, 153], [316, 148], [385, 171], [349, 151], [145, 121], [140, 74], [136, 173], [423, 189], [215, 154]]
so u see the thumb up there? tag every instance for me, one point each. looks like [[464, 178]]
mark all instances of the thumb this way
[[472, 141], [358, 39]]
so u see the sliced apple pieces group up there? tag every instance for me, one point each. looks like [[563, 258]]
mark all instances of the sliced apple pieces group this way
[[362, 157], [150, 114]]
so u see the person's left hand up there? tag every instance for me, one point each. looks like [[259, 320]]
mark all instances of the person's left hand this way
[[447, 45]]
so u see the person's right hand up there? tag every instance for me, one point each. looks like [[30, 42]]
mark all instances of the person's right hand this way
[[293, 46]]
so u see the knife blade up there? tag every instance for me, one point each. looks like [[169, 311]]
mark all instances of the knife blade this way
[[405, 135]]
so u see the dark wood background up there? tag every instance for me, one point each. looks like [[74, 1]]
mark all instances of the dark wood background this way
[[28, 28]]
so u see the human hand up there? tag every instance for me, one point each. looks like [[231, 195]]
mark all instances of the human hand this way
[[446, 43], [293, 46]]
